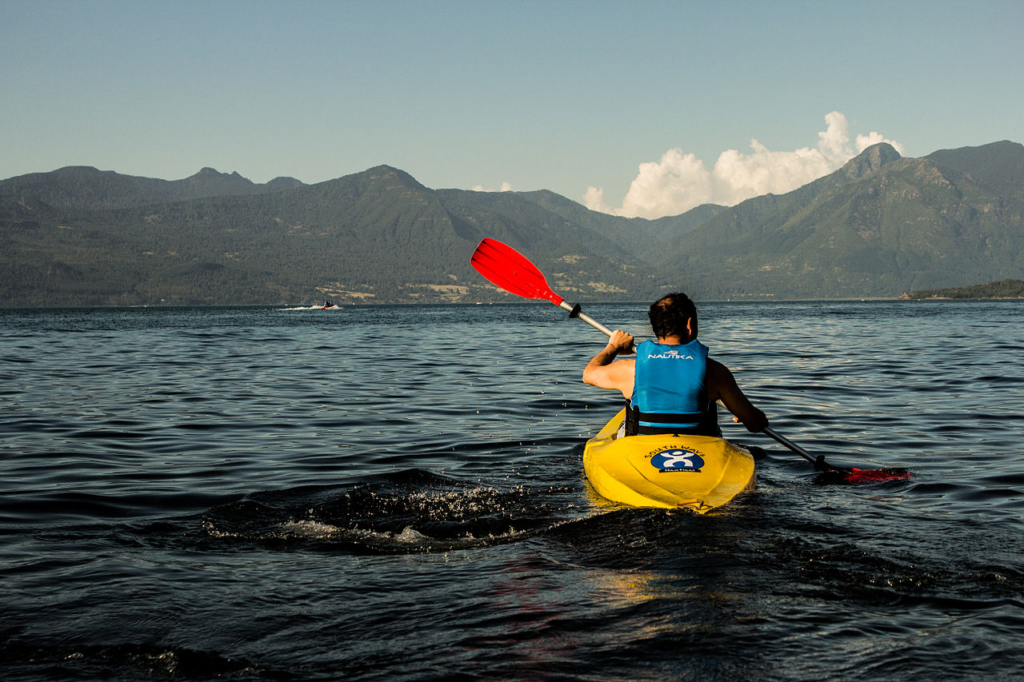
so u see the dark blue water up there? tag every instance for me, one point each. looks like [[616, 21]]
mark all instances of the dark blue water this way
[[397, 493]]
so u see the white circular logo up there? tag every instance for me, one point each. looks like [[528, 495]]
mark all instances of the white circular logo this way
[[677, 460]]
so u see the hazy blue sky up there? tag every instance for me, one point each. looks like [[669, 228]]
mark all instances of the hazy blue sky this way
[[558, 95]]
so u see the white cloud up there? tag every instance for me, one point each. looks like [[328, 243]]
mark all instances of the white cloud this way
[[679, 181], [505, 187]]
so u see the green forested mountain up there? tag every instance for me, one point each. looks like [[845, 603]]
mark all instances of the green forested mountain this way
[[880, 226], [998, 166], [376, 236]]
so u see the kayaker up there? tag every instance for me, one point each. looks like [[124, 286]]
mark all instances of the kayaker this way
[[671, 385]]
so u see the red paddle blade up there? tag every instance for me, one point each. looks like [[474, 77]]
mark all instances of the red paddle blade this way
[[507, 269], [854, 475]]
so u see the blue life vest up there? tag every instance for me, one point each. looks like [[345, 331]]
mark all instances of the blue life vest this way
[[669, 395]]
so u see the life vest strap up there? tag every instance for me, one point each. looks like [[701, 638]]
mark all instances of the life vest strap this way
[[688, 423]]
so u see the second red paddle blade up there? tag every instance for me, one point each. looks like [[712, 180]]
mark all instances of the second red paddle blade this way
[[854, 475]]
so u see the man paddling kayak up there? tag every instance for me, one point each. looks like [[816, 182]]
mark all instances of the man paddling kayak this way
[[510, 270], [671, 386]]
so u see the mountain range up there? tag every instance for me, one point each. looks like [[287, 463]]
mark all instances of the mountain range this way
[[879, 226]]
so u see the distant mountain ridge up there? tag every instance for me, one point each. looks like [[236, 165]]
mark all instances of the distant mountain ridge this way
[[90, 188], [998, 166], [879, 226], [375, 236]]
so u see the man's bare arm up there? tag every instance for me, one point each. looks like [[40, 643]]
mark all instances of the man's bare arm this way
[[721, 385], [604, 371]]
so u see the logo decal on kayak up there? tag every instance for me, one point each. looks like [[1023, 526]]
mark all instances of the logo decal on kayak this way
[[677, 459]]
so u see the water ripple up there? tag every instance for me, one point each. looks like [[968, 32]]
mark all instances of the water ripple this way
[[248, 493]]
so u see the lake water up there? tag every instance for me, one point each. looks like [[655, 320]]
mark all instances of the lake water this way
[[397, 493]]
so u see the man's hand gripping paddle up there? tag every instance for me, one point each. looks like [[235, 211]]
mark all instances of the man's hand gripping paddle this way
[[507, 269]]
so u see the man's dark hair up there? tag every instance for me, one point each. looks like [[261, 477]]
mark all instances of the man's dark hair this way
[[669, 315]]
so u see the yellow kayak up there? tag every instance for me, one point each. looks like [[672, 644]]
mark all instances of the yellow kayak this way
[[689, 472]]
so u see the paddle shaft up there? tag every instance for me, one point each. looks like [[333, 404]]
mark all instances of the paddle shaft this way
[[574, 312], [791, 445]]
